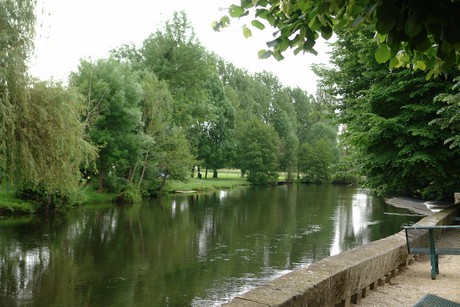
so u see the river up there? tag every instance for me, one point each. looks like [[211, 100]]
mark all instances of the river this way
[[184, 250]]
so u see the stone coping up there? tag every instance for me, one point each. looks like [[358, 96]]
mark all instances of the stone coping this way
[[341, 279]]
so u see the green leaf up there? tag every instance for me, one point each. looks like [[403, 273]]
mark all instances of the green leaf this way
[[326, 32], [258, 24], [340, 24], [246, 4], [308, 45], [284, 45], [236, 11], [420, 65], [314, 24], [381, 38], [278, 56], [297, 50], [412, 27], [247, 32], [358, 21], [393, 62], [382, 54], [273, 43], [386, 14], [264, 54]]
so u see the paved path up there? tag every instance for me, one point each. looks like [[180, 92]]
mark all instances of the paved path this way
[[406, 288]]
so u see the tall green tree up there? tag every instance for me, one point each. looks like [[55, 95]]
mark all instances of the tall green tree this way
[[318, 154], [386, 116], [113, 94], [174, 55], [42, 140], [216, 143], [17, 23], [258, 152], [168, 155], [52, 140]]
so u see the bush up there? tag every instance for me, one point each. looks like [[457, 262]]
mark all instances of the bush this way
[[131, 194], [44, 200], [263, 178]]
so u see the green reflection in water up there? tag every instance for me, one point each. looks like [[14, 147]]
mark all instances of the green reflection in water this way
[[184, 250]]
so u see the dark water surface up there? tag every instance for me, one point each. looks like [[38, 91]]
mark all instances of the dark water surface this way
[[187, 250]]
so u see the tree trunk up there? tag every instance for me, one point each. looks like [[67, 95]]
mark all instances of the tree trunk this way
[[206, 173], [199, 172], [214, 175], [162, 183], [289, 177], [143, 169], [101, 180]]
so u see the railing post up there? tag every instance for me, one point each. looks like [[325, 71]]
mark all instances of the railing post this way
[[433, 255]]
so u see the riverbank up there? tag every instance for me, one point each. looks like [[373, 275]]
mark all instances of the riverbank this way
[[11, 205]]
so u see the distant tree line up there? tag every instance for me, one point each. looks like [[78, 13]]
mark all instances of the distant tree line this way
[[167, 110]]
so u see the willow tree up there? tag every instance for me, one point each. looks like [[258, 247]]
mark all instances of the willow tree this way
[[16, 35], [41, 136], [49, 147]]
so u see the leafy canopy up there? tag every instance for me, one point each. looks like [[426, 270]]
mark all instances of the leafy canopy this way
[[420, 34]]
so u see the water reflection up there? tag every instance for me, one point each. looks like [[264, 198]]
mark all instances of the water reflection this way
[[185, 250], [352, 219]]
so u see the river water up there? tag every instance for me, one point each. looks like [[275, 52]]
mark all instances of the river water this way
[[184, 250]]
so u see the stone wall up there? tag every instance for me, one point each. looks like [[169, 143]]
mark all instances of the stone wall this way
[[341, 279]]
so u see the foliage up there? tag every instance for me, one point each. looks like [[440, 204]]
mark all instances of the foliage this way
[[423, 35], [216, 144], [130, 194], [49, 144], [169, 153], [114, 116], [258, 151], [175, 56], [450, 115], [316, 159], [17, 21], [386, 117]]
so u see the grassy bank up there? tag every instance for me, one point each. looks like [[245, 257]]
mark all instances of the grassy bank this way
[[11, 205], [227, 179], [88, 196]]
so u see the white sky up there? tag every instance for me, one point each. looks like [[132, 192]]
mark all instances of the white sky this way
[[74, 29]]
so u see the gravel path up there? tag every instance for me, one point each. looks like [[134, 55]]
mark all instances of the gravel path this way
[[406, 288]]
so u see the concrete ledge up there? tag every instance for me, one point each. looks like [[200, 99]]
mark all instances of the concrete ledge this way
[[341, 279]]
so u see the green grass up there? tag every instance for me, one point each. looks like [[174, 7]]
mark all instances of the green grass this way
[[10, 205], [227, 179], [89, 195]]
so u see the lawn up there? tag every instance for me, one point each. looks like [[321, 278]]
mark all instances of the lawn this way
[[227, 179]]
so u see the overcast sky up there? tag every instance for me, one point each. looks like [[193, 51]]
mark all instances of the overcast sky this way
[[74, 29]]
